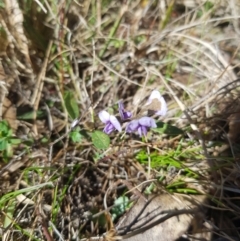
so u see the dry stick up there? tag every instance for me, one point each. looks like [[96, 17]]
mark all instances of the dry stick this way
[[235, 22], [91, 81], [16, 163], [15, 20], [43, 222], [149, 161], [114, 71], [156, 38], [213, 50], [41, 6], [119, 75], [35, 99], [99, 14]]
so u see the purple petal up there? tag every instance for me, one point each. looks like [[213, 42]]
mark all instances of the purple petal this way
[[123, 113], [104, 116], [142, 130], [147, 122], [127, 115], [108, 128], [132, 126], [120, 108], [114, 121]]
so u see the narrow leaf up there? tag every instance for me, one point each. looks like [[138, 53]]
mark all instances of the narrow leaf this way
[[14, 141], [164, 128], [29, 115], [71, 105], [3, 144]]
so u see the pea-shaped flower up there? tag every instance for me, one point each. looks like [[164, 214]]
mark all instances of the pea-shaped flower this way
[[123, 113], [157, 103], [141, 125], [110, 121]]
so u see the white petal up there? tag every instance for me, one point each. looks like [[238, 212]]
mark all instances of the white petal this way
[[154, 95], [164, 108], [104, 116], [115, 123]]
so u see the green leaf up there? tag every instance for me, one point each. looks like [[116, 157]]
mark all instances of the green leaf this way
[[76, 136], [29, 115], [164, 128], [184, 190], [14, 141], [149, 190], [71, 105], [4, 128], [44, 140], [9, 150], [100, 140], [3, 144], [208, 5], [10, 208], [177, 184]]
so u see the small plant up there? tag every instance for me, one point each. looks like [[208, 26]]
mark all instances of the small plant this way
[[140, 124], [7, 140], [207, 6], [155, 105], [121, 204], [75, 135]]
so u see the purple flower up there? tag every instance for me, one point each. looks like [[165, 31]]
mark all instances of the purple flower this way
[[141, 125], [110, 121], [123, 113], [157, 103]]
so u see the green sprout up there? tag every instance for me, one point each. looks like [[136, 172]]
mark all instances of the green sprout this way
[[7, 140]]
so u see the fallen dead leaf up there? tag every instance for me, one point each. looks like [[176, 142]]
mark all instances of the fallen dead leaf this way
[[142, 215]]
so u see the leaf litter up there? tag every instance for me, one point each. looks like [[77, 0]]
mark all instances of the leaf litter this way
[[90, 55]]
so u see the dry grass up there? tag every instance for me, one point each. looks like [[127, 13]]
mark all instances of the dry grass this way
[[100, 52]]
